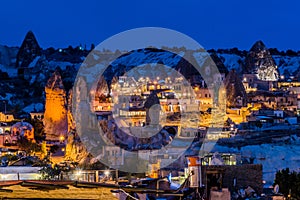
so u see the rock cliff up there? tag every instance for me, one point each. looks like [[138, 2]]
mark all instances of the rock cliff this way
[[27, 52], [259, 61], [56, 120]]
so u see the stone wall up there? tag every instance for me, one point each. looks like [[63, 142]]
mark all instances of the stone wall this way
[[245, 175], [220, 195]]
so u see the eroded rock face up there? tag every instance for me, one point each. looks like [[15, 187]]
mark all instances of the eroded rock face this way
[[27, 52], [259, 61], [220, 65], [75, 149], [8, 55], [102, 88], [56, 120], [152, 109], [71, 122], [128, 141], [235, 90]]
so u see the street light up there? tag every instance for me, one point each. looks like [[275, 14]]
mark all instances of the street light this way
[[61, 138], [106, 172], [78, 174]]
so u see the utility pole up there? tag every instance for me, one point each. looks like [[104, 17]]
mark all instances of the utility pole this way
[[4, 107], [117, 176]]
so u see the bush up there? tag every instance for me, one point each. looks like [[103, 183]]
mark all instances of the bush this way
[[28, 146], [50, 173]]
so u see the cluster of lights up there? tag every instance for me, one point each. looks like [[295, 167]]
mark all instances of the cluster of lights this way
[[3, 176], [78, 173], [61, 138], [106, 172]]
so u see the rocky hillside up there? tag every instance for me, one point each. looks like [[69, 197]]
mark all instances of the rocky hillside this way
[[287, 62], [24, 70]]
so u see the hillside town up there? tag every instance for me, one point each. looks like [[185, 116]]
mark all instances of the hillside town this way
[[258, 104]]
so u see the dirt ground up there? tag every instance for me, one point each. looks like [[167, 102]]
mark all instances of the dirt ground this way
[[20, 192]]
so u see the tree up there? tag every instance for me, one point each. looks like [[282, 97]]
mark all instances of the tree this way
[[28, 146], [38, 126], [54, 148], [274, 51], [50, 173], [258, 124], [8, 158], [290, 52], [288, 181], [16, 109]]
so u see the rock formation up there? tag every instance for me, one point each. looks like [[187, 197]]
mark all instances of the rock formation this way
[[75, 149], [260, 62], [187, 65], [55, 120], [71, 122], [102, 88], [8, 55], [235, 90], [220, 65], [27, 52], [152, 109]]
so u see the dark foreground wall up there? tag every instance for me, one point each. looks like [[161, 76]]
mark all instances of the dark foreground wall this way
[[245, 175]]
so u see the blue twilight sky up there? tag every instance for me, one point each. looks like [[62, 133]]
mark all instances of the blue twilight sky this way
[[212, 23]]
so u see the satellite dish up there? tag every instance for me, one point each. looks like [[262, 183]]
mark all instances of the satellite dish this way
[[276, 189]]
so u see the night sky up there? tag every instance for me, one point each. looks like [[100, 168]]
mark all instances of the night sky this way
[[214, 24]]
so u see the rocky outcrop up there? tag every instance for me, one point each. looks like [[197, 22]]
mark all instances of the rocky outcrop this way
[[235, 91], [220, 65], [260, 62], [27, 52], [75, 149], [71, 122], [101, 90], [55, 120], [187, 65], [152, 107], [8, 55]]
